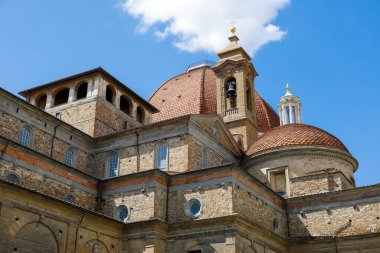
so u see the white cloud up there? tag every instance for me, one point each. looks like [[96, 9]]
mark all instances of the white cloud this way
[[204, 24]]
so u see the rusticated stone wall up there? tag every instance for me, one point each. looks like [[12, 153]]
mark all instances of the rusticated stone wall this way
[[81, 116], [260, 211], [38, 173], [195, 151], [47, 138], [319, 183], [216, 201], [40, 224], [336, 214]]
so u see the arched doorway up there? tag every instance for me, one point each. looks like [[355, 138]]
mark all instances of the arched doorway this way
[[34, 237]]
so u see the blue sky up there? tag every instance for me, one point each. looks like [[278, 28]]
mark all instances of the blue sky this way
[[329, 55]]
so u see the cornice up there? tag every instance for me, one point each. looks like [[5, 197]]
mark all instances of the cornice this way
[[300, 150]]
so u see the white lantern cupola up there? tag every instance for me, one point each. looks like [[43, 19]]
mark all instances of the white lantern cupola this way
[[290, 108]]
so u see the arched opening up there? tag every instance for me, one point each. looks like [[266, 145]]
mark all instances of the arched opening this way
[[69, 157], [125, 105], [62, 97], [41, 102], [82, 91], [110, 94], [113, 165], [25, 136], [249, 96], [12, 178], [34, 237], [162, 156], [230, 89], [140, 115]]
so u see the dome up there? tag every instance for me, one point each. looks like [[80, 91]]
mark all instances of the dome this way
[[194, 92], [294, 134], [267, 118]]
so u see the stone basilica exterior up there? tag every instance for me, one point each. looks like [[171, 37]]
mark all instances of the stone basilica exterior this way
[[206, 165]]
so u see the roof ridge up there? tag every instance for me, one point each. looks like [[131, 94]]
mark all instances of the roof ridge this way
[[202, 93]]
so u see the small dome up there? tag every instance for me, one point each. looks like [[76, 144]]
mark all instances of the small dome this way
[[194, 92], [294, 134]]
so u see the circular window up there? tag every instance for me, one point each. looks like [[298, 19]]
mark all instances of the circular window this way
[[123, 213], [193, 208]]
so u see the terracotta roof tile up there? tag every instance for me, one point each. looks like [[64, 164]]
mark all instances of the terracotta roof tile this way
[[267, 118], [195, 93], [294, 134]]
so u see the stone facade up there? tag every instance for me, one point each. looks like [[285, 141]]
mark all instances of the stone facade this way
[[86, 171]]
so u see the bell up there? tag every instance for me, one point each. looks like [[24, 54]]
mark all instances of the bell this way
[[231, 89]]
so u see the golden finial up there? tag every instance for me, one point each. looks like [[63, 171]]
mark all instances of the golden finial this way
[[288, 90], [233, 29]]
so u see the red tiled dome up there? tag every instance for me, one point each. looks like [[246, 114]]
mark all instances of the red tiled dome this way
[[267, 118], [194, 92], [188, 93], [294, 134]]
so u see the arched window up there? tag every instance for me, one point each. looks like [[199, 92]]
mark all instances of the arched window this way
[[113, 164], [162, 156], [12, 178], [125, 105], [41, 103], [25, 137], [109, 94], [249, 95], [231, 92], [82, 91], [140, 115], [205, 158], [69, 157], [62, 97]]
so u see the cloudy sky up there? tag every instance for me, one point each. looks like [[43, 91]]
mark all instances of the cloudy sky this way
[[328, 50]]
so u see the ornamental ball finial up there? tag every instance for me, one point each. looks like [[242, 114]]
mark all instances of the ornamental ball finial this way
[[233, 29]]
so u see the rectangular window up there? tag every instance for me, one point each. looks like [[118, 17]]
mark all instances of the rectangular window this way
[[195, 251], [125, 125], [58, 115], [277, 179]]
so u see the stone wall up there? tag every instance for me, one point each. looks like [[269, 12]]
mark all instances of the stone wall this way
[[141, 157], [144, 194], [302, 164], [319, 183], [80, 116], [38, 173], [335, 214], [41, 224], [49, 136], [259, 211], [216, 201], [195, 158]]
